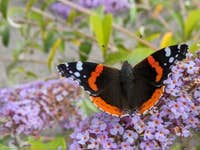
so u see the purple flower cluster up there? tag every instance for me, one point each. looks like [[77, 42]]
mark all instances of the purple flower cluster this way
[[112, 6], [61, 9], [27, 109], [178, 115]]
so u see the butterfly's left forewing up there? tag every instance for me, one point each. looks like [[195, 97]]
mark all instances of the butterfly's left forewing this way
[[100, 81]]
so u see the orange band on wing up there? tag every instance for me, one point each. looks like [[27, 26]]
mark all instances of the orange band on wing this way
[[154, 64], [93, 77], [100, 103], [152, 101]]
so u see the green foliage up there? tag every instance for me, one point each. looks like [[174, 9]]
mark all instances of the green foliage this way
[[5, 33], [88, 107], [133, 12], [4, 8], [42, 143], [198, 147], [84, 50], [102, 27], [191, 23], [53, 52], [139, 54], [29, 5], [176, 146], [119, 56]]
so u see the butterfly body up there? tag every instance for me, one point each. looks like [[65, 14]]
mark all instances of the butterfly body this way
[[130, 88]]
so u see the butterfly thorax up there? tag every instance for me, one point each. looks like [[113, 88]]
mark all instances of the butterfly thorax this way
[[126, 81]]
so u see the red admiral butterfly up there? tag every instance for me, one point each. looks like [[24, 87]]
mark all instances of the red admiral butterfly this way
[[120, 91]]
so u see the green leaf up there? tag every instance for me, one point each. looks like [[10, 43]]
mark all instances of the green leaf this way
[[84, 50], [71, 17], [116, 57], [50, 144], [88, 107], [33, 15], [4, 147], [16, 11], [31, 74], [179, 19], [4, 8], [53, 52], [176, 146], [198, 147], [62, 46], [153, 36], [194, 47], [29, 5], [133, 12], [48, 41], [139, 54], [192, 22], [6, 35], [102, 27], [96, 24], [107, 29]]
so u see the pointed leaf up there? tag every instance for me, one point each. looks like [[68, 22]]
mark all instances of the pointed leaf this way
[[166, 39], [36, 16], [96, 24], [84, 50], [107, 29], [194, 47], [116, 57], [53, 52], [48, 143], [139, 54], [88, 107], [4, 8], [6, 35], [62, 46], [179, 19], [29, 5], [133, 12], [48, 41], [192, 22], [102, 27], [71, 17]]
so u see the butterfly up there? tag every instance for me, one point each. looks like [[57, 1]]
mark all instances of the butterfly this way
[[121, 91]]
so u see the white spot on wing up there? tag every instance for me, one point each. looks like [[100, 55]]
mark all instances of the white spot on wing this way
[[79, 66], [179, 46], [167, 51], [70, 72], [171, 59], [77, 74], [165, 64], [66, 64], [84, 76]]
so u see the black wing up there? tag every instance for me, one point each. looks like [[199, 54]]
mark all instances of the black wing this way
[[102, 83], [151, 72]]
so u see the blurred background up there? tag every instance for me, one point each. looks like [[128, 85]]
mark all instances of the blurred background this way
[[36, 35]]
